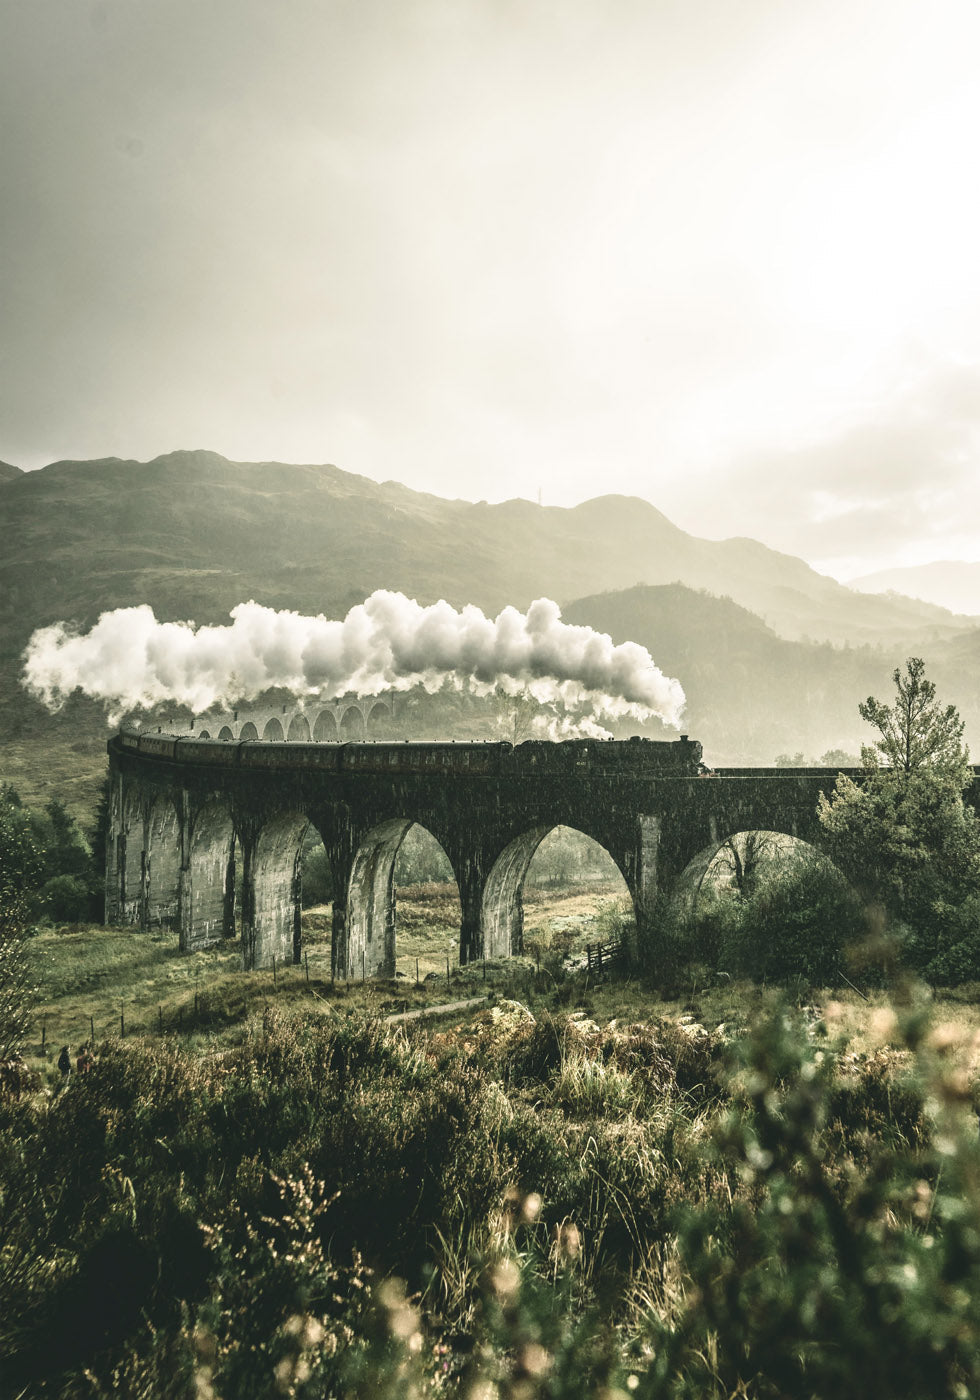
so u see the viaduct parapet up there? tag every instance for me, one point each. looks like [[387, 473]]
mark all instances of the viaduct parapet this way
[[345, 720], [205, 834]]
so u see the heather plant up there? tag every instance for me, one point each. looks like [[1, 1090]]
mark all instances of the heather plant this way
[[512, 1207]]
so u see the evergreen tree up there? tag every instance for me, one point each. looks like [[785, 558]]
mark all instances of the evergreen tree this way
[[904, 835]]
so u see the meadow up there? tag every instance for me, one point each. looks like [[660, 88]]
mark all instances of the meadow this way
[[574, 1188]]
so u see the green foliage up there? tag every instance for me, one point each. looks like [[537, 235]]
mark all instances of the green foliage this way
[[421, 860], [916, 732], [580, 1211], [823, 1279], [904, 835], [777, 915], [794, 924], [21, 869], [66, 885]]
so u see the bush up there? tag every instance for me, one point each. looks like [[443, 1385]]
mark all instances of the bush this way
[[796, 923]]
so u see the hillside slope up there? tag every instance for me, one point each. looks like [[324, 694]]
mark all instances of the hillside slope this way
[[194, 534], [752, 695]]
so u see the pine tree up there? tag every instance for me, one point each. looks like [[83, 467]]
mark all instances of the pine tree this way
[[904, 835]]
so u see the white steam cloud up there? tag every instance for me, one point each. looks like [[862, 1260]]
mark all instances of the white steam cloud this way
[[388, 642]]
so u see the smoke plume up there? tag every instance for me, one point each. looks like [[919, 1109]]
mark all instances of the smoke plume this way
[[388, 642]]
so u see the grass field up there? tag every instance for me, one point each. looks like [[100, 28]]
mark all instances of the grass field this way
[[96, 982]]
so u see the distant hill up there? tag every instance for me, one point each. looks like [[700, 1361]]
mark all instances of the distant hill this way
[[953, 584], [193, 534], [752, 695], [9, 473]]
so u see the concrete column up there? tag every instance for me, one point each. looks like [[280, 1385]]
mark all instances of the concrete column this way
[[470, 882], [228, 926], [646, 886], [370, 921], [204, 912], [163, 859], [272, 876], [115, 853]]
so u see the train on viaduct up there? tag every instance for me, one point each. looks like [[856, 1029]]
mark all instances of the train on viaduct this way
[[205, 835]]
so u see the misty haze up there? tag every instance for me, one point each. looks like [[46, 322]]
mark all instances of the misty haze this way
[[490, 633]]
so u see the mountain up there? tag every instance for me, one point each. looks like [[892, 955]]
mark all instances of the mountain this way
[[194, 534], [948, 583], [753, 695], [9, 473], [773, 655]]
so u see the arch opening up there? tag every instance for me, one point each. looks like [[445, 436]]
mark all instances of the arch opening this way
[[210, 907], [553, 886], [317, 890], [427, 908], [325, 727], [574, 894], [352, 725], [299, 730], [768, 906], [203, 734], [737, 865], [272, 733], [248, 731], [379, 722]]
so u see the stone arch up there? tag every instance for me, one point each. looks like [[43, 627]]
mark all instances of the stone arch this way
[[299, 730], [208, 908], [371, 902], [248, 731], [225, 732], [325, 727], [203, 734], [272, 732], [271, 926], [352, 724], [689, 883], [161, 866], [502, 914]]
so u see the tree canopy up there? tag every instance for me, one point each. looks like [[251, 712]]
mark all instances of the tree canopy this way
[[916, 732], [904, 835]]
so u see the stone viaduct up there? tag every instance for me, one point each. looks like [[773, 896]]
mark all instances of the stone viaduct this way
[[193, 819], [332, 721]]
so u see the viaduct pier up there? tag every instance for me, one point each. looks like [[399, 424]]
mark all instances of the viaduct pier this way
[[206, 835]]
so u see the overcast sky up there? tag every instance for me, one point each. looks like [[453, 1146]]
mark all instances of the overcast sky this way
[[722, 254]]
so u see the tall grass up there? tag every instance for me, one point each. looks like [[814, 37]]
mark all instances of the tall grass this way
[[572, 1209]]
